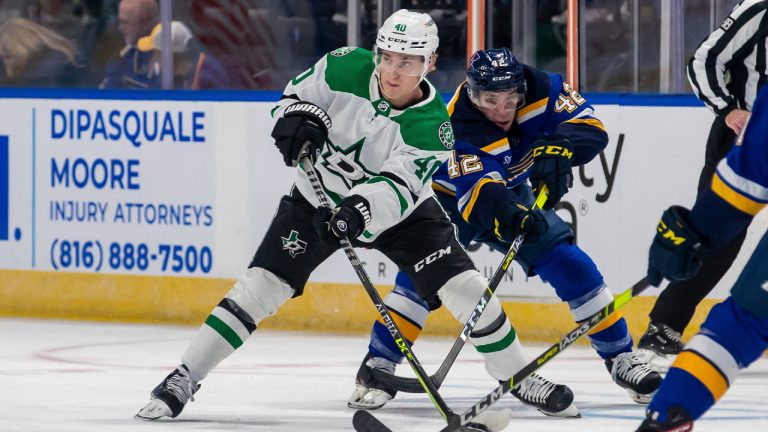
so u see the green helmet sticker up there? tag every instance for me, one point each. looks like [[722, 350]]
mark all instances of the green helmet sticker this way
[[400, 27]]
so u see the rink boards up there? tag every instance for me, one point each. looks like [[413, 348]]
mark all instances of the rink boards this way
[[118, 208]]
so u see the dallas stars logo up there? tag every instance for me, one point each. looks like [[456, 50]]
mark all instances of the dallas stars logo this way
[[345, 163], [445, 133], [293, 244]]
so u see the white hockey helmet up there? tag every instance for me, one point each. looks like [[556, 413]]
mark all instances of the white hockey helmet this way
[[410, 33]]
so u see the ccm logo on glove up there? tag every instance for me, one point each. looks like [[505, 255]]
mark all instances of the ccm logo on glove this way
[[553, 150], [552, 156], [669, 234]]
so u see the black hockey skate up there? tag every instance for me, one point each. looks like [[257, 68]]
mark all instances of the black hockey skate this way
[[678, 421], [370, 394], [549, 398], [660, 344], [170, 396], [630, 371]]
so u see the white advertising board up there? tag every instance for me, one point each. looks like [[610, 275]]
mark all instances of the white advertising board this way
[[115, 188], [188, 188]]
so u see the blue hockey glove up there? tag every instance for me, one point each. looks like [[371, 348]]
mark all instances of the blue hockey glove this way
[[675, 253], [515, 218], [552, 156], [348, 221], [302, 130]]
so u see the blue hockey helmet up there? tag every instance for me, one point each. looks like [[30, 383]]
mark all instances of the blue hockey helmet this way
[[494, 70]]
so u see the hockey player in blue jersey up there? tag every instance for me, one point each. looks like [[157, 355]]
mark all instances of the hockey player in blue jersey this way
[[514, 124], [735, 333]]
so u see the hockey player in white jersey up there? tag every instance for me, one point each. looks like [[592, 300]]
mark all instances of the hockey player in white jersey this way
[[376, 131]]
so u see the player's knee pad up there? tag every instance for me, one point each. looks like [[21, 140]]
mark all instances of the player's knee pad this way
[[493, 335], [258, 293]]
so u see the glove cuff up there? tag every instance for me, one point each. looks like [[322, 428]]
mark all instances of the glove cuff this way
[[674, 227], [360, 208], [511, 214], [310, 111]]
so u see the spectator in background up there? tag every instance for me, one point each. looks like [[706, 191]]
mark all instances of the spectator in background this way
[[136, 19], [192, 68], [35, 56]]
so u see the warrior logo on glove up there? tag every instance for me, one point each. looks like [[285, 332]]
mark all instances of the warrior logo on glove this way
[[301, 131]]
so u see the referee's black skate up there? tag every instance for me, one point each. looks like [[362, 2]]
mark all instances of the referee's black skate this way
[[170, 396], [370, 394], [677, 421], [630, 371], [660, 344], [549, 398]]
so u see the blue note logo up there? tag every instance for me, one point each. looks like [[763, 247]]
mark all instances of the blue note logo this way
[[5, 189]]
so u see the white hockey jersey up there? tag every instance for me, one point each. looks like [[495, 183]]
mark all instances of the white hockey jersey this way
[[373, 150]]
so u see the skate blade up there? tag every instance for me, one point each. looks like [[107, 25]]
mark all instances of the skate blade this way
[[570, 412], [360, 406], [642, 399], [154, 410]]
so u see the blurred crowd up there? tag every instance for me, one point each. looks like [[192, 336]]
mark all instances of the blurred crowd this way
[[231, 44], [261, 44], [215, 44]]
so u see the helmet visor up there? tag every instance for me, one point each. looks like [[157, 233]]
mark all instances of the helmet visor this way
[[403, 64], [501, 100]]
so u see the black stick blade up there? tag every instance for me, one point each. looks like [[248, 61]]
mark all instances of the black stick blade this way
[[363, 421]]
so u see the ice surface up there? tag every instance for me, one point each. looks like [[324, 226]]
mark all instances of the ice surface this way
[[74, 376]]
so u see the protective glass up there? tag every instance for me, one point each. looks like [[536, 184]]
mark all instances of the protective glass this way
[[501, 100], [403, 64]]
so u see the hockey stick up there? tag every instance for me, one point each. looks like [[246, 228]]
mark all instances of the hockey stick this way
[[412, 385], [372, 424], [423, 378], [448, 415]]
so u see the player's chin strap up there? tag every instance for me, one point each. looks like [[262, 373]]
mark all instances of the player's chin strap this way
[[370, 423], [427, 385], [412, 385]]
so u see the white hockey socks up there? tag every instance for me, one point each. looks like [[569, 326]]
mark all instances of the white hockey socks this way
[[256, 295], [493, 335]]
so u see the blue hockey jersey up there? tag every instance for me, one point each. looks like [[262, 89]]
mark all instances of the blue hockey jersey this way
[[488, 162], [739, 187]]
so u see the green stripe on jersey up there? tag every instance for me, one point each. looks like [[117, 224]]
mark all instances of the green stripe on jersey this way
[[400, 197], [498, 346], [349, 70], [224, 330]]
